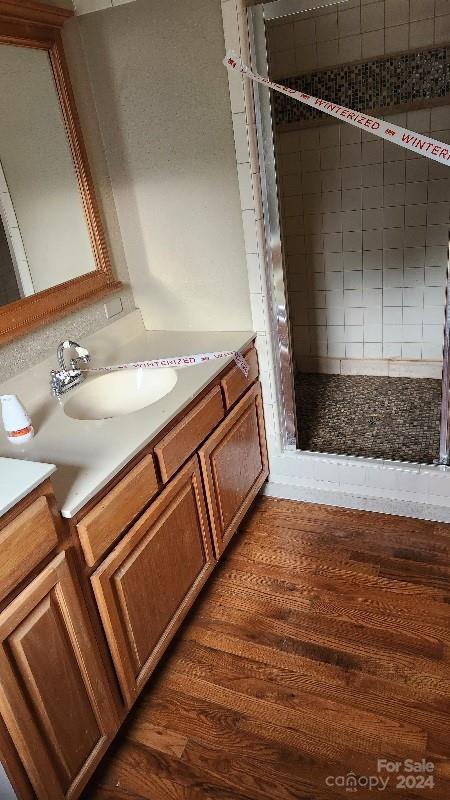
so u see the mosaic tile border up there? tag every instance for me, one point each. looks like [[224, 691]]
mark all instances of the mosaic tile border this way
[[379, 83]]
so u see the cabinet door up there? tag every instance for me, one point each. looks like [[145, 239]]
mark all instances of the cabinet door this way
[[146, 585], [54, 698], [234, 465]]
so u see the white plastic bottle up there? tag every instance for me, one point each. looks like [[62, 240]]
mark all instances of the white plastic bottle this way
[[16, 420]]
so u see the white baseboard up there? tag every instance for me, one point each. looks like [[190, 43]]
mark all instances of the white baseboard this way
[[393, 368], [390, 487], [340, 499]]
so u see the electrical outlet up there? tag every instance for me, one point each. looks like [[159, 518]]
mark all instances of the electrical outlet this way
[[113, 307], [88, 6]]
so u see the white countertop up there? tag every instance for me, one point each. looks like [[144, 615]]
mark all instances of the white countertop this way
[[88, 453], [18, 478]]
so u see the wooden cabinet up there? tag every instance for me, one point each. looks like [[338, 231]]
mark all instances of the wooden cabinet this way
[[54, 698], [146, 585], [234, 465]]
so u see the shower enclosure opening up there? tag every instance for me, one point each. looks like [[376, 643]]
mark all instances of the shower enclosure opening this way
[[357, 227]]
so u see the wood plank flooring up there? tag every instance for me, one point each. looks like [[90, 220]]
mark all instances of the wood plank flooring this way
[[320, 645]]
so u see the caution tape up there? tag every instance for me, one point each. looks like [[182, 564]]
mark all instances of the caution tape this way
[[418, 143], [176, 362]]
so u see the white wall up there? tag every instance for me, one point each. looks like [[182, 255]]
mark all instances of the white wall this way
[[161, 95]]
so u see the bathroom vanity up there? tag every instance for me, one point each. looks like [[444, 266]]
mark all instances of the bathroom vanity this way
[[90, 600]]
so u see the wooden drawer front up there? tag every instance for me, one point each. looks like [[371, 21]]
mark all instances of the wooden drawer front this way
[[235, 384], [54, 698], [147, 584], [234, 464], [184, 439], [100, 528], [24, 543]]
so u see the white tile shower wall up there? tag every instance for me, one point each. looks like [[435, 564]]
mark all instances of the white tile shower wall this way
[[366, 241], [359, 30]]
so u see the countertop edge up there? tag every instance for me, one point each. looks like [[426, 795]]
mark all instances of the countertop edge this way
[[29, 487]]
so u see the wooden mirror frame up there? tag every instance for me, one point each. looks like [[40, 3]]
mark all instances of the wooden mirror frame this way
[[27, 23]]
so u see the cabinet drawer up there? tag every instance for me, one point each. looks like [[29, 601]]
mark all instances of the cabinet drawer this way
[[234, 466], [100, 528], [184, 438], [24, 543], [146, 585], [235, 384]]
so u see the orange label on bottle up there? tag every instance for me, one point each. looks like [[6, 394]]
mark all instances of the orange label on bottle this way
[[22, 432]]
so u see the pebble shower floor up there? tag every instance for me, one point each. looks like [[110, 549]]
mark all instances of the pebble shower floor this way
[[376, 417]]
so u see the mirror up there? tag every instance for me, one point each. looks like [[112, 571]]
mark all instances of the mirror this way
[[52, 246], [45, 238]]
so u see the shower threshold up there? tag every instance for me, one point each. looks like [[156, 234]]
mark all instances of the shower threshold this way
[[391, 418]]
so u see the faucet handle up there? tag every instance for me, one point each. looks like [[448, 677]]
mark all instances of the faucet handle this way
[[81, 354]]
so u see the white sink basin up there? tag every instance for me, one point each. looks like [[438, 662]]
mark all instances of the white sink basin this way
[[119, 393]]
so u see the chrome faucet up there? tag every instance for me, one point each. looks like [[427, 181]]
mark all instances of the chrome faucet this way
[[68, 376]]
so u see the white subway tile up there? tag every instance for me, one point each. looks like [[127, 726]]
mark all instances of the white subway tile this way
[[392, 278], [373, 316], [393, 258], [393, 297], [393, 333], [354, 350], [373, 279], [415, 236], [433, 333], [412, 315], [375, 350], [432, 296], [414, 257], [349, 49], [397, 12], [421, 34], [435, 276], [436, 256], [396, 39], [433, 315], [353, 280], [413, 297], [352, 298], [351, 200], [372, 219], [394, 172], [373, 333], [392, 350], [392, 316], [373, 44], [335, 334], [373, 240], [417, 170], [373, 298], [373, 259], [413, 277], [433, 351], [353, 259]]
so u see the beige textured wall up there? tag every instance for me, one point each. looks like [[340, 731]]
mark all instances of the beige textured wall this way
[[162, 97], [19, 354]]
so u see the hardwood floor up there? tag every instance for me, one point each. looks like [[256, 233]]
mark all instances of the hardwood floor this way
[[320, 645]]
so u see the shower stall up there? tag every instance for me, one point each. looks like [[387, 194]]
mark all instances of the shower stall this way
[[357, 228]]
